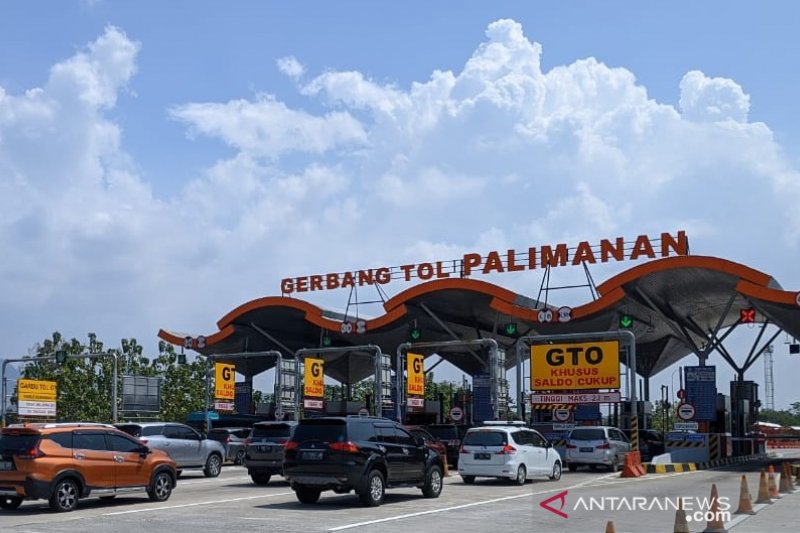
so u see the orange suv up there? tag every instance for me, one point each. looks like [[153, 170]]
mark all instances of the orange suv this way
[[65, 462]]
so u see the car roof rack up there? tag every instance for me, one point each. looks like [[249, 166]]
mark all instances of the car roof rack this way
[[504, 423]]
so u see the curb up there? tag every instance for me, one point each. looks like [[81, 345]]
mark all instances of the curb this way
[[691, 467]]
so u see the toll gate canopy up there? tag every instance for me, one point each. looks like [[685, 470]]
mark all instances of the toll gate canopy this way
[[677, 305]]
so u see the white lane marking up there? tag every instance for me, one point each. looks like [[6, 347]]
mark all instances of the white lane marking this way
[[212, 502], [183, 481], [467, 505]]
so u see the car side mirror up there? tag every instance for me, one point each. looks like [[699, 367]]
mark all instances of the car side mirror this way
[[144, 451], [548, 444], [420, 441]]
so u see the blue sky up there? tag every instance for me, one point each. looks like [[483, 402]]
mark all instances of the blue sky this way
[[164, 162]]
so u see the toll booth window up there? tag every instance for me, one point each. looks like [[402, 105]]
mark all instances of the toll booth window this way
[[486, 438]]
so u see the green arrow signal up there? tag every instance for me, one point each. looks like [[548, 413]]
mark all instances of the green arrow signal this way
[[416, 334], [511, 328], [625, 321]]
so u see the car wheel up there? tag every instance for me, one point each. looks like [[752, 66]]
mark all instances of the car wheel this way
[[307, 495], [239, 459], [260, 479], [161, 487], [556, 475], [433, 482], [522, 473], [469, 480], [10, 502], [614, 466], [572, 467], [373, 490], [213, 465], [65, 495]]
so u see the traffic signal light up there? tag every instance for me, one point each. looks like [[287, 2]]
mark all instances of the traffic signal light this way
[[61, 357], [415, 333], [747, 315], [625, 321], [510, 329], [181, 358], [326, 340]]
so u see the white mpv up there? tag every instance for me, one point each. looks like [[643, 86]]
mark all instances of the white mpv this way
[[507, 450]]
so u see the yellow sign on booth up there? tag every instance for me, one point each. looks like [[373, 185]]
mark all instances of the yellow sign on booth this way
[[314, 379], [225, 383], [585, 365], [415, 383], [33, 390]]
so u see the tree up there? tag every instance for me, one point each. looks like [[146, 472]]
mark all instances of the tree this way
[[85, 384]]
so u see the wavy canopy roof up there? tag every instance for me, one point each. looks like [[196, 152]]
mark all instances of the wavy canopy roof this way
[[675, 303]]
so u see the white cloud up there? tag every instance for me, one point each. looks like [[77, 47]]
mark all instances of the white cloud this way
[[267, 128], [291, 67], [705, 99]]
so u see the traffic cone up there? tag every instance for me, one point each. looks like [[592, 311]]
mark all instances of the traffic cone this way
[[797, 479], [745, 502], [715, 525], [446, 469], [784, 485], [681, 525], [610, 527], [771, 484], [763, 489]]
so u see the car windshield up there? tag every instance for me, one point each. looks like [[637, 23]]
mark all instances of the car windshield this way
[[587, 434], [323, 431], [486, 438], [273, 431], [17, 443], [135, 430], [443, 432]]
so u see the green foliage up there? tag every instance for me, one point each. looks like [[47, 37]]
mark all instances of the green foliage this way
[[664, 416], [789, 417], [84, 384]]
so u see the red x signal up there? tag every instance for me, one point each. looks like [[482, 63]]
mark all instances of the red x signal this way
[[747, 316]]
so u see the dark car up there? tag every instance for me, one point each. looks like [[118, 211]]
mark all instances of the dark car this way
[[263, 454], [430, 440], [451, 435], [651, 443], [358, 453], [233, 440]]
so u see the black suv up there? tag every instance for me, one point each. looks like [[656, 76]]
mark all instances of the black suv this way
[[364, 454], [263, 452]]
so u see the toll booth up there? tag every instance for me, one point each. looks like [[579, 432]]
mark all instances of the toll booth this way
[[744, 403]]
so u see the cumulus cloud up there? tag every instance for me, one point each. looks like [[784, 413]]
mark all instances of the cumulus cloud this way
[[705, 99], [495, 154]]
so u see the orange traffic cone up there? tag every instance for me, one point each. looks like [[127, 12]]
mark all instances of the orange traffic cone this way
[[797, 479], [681, 525], [715, 525], [610, 527], [745, 502], [763, 489], [771, 485], [785, 485]]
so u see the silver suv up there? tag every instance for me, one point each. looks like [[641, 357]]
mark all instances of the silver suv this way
[[597, 446], [189, 448]]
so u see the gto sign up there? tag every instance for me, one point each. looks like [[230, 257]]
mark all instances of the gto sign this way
[[588, 365]]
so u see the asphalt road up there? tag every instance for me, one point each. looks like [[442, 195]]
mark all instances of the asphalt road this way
[[232, 503]]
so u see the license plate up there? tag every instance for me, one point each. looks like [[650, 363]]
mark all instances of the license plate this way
[[312, 456], [586, 450], [262, 449], [483, 456], [6, 465]]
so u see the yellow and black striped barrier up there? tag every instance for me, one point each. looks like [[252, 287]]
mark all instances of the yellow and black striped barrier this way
[[552, 406], [634, 433], [684, 444], [713, 447]]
